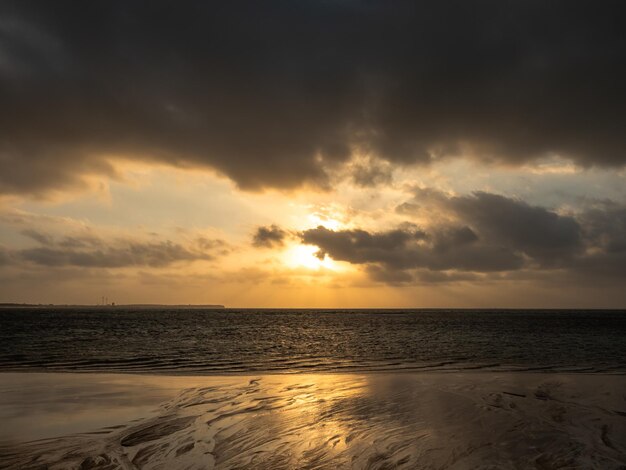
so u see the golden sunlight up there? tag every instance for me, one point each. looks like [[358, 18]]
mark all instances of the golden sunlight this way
[[331, 223], [304, 256]]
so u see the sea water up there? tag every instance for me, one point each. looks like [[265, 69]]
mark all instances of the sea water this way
[[189, 341]]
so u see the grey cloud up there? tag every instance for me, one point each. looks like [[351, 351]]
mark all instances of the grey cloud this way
[[493, 234], [214, 246], [76, 241], [132, 254], [404, 250], [389, 276], [422, 276], [5, 256], [359, 246], [602, 265], [450, 237], [371, 173], [605, 226], [541, 234], [435, 277], [276, 94], [85, 247], [267, 237], [38, 236], [80, 241]]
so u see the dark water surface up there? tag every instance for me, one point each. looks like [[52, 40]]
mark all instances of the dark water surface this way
[[224, 341]]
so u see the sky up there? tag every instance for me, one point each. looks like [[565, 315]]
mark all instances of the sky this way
[[328, 153]]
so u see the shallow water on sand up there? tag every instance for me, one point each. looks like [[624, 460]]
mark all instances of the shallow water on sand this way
[[363, 421], [217, 341]]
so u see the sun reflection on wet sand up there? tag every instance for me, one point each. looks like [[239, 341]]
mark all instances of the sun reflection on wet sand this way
[[334, 421]]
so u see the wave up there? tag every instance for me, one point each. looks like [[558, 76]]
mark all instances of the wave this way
[[234, 341]]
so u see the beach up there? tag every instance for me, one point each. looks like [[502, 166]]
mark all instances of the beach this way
[[363, 420], [312, 235]]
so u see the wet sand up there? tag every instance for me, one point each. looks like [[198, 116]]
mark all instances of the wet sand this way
[[370, 421]]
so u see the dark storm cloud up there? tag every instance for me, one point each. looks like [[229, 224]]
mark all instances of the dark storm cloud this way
[[605, 226], [423, 276], [389, 276], [454, 236], [272, 94], [402, 249], [602, 265], [371, 173], [268, 237], [605, 231], [490, 234], [539, 233]]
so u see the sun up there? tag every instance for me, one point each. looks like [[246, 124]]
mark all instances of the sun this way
[[328, 222], [304, 256]]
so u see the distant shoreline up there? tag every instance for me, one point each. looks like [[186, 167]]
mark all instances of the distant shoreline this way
[[8, 305], [114, 306]]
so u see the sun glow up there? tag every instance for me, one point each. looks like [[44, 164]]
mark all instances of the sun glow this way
[[316, 220], [304, 256]]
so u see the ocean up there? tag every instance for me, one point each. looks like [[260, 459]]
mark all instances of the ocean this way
[[197, 342]]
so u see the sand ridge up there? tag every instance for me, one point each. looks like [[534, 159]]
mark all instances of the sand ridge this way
[[361, 421]]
